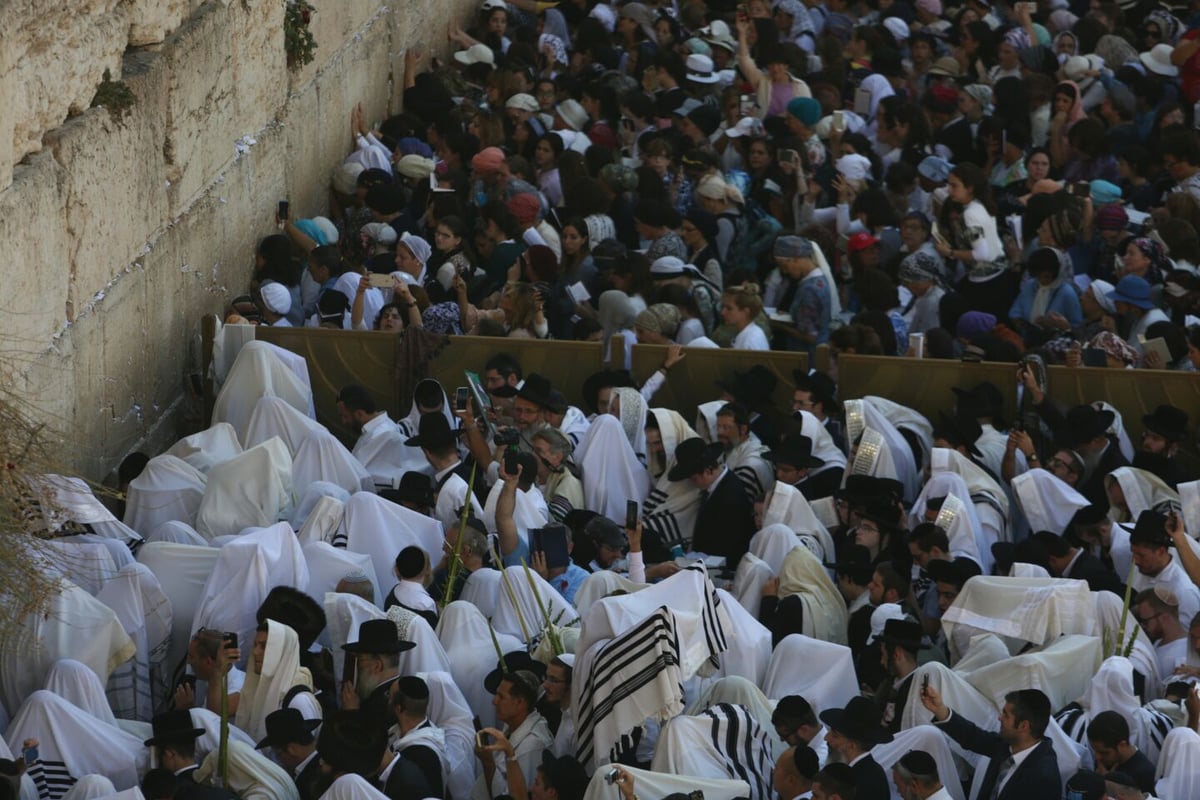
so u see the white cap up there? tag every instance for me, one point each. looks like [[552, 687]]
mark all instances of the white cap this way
[[747, 126], [700, 69], [523, 102], [276, 297], [475, 54]]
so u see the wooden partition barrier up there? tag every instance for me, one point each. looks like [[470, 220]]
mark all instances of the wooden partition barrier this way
[[338, 358]]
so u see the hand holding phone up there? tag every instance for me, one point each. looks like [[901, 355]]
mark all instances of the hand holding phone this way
[[461, 395], [632, 511], [281, 214]]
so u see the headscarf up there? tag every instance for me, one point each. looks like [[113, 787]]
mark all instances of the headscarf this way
[[974, 324], [616, 312], [805, 576], [1167, 24], [1076, 111], [1159, 263], [633, 418], [879, 87], [557, 46], [801, 22], [1044, 294], [1100, 292], [1018, 38], [1114, 346], [919, 267], [1063, 33]]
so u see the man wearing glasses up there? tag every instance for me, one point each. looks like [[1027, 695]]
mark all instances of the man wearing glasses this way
[[1157, 611]]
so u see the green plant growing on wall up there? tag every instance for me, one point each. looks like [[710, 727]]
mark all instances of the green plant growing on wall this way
[[116, 96], [299, 41]]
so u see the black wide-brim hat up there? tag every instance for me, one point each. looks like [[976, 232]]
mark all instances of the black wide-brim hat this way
[[514, 661], [859, 720], [173, 726], [285, 726], [693, 456], [536, 388], [433, 431], [378, 636]]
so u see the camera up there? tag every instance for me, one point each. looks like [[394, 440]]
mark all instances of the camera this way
[[507, 437], [611, 776]]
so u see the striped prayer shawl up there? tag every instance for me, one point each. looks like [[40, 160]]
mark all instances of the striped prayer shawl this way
[[747, 462], [670, 512], [745, 746], [52, 779], [630, 678], [1148, 728]]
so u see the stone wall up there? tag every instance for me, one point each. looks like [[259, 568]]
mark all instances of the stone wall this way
[[121, 232]]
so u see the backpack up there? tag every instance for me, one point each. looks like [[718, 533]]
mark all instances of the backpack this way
[[754, 235], [324, 699]]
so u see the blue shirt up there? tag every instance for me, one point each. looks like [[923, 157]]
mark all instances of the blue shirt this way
[[569, 582], [810, 311]]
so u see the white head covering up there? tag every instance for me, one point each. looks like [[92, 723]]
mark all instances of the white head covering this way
[[177, 533], [827, 679], [673, 429], [824, 610], [90, 787], [328, 565], [261, 369], [208, 447], [749, 650], [1047, 502], [722, 742], [927, 738], [253, 489], [321, 457], [465, 636], [854, 167], [311, 496], [773, 543], [612, 473], [1033, 610], [428, 655], [633, 418], [1143, 491], [276, 297], [960, 522], [273, 417], [381, 529], [281, 671], [786, 506], [252, 776], [168, 489], [1178, 770], [80, 686], [886, 454], [1062, 670], [823, 446], [739, 691], [1117, 428], [352, 787], [879, 87], [978, 482], [410, 425]]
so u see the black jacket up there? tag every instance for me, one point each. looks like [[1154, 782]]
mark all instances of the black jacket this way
[[871, 781], [186, 788], [1037, 777], [725, 522], [417, 775], [308, 782], [1099, 577]]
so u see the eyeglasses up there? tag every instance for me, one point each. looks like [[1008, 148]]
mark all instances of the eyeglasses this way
[[548, 679]]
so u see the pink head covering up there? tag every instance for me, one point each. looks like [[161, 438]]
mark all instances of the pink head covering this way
[[488, 161]]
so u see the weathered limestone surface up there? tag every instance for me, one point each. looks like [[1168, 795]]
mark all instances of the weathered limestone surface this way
[[121, 232]]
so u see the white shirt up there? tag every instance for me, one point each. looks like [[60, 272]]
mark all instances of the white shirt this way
[[1174, 578], [1171, 655], [452, 495], [234, 686], [528, 741], [413, 596], [751, 337]]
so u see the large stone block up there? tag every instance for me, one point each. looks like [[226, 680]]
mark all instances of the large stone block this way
[[333, 27], [151, 20]]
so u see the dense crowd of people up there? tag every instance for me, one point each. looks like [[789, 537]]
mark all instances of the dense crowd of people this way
[[506, 595]]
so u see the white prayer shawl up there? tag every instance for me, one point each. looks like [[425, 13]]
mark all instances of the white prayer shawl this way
[[467, 642], [957, 693], [1112, 690], [353, 787], [612, 473], [76, 683], [820, 672], [272, 417], [182, 571], [958, 518], [1047, 502], [229, 341], [989, 498], [1189, 511], [88, 565], [773, 543], [673, 429], [747, 461], [574, 425], [619, 683], [427, 734], [906, 419], [823, 446], [825, 615], [527, 587], [632, 408], [410, 425], [253, 489], [69, 748], [281, 671], [321, 457], [134, 793], [706, 419], [1117, 428], [482, 589], [599, 585], [928, 739], [872, 455], [1109, 610], [1143, 490], [428, 655], [76, 625], [1178, 770], [751, 575], [118, 547], [137, 687], [453, 495], [787, 507], [381, 529], [260, 370], [246, 570], [895, 457], [344, 613], [1021, 610], [311, 496], [1022, 570], [529, 511], [252, 776], [670, 511], [175, 532], [381, 449], [1062, 670], [736, 690], [168, 489], [327, 565], [652, 783], [449, 711], [749, 650], [66, 500], [209, 447], [699, 620], [90, 787], [723, 741]]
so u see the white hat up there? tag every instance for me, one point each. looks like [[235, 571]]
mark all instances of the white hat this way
[[492, 5], [854, 167], [327, 228], [607, 17], [897, 27], [345, 176], [573, 114], [276, 297], [380, 232], [747, 126], [415, 166], [523, 102], [1158, 60], [566, 658], [700, 69], [475, 54]]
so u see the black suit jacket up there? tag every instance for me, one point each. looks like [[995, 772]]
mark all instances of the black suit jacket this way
[[1099, 577], [309, 780], [416, 776], [1037, 777], [725, 521], [871, 781], [378, 708], [186, 788]]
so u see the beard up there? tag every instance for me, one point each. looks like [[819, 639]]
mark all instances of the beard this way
[[365, 684]]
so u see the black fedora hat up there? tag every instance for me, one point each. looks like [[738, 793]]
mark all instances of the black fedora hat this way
[[795, 451], [173, 726], [752, 387], [349, 742], [378, 636], [513, 661], [1168, 422], [818, 384], [1084, 423], [535, 388], [415, 487], [960, 430], [294, 608], [955, 573], [881, 510], [285, 726], [692, 456], [1151, 530], [858, 488], [902, 632], [433, 431], [859, 720], [981, 400], [855, 560]]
